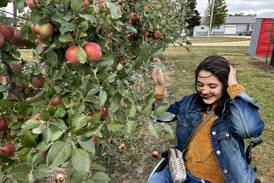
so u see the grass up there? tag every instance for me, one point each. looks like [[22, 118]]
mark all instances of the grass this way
[[217, 39], [180, 70]]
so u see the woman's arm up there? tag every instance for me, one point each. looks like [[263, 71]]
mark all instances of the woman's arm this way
[[245, 118]]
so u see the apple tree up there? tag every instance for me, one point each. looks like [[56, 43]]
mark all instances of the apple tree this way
[[85, 82]]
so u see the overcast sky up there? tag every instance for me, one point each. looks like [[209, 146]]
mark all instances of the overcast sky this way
[[262, 8]]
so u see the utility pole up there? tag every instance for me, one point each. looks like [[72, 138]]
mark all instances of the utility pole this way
[[211, 18]]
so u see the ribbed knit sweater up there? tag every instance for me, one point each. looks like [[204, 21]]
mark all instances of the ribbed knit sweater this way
[[199, 157]]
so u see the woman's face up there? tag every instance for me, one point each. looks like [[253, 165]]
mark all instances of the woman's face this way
[[209, 87]]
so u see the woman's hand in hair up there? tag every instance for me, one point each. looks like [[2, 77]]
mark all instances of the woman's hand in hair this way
[[232, 80]]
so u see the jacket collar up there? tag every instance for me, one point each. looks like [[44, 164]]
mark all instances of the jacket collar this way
[[195, 103]]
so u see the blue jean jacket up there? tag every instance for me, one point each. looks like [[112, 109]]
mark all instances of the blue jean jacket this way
[[239, 120]]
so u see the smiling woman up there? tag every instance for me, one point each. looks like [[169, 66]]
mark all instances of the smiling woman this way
[[212, 125]]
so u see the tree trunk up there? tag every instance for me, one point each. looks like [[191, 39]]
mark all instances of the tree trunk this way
[[272, 57]]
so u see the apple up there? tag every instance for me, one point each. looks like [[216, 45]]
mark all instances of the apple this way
[[2, 40], [135, 17], [157, 35], [120, 57], [71, 55], [17, 38], [155, 154], [104, 113], [8, 150], [85, 4], [7, 32], [35, 28], [156, 59], [55, 101], [36, 116], [146, 34], [16, 68], [93, 139], [3, 123], [37, 82], [31, 4], [38, 41], [93, 51], [45, 30]]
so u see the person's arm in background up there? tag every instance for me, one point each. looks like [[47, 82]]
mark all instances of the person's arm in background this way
[[245, 118]]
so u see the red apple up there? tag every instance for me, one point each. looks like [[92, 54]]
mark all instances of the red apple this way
[[104, 113], [85, 4], [7, 32], [55, 101], [37, 82], [71, 55], [46, 30], [3, 123], [134, 17], [157, 35], [93, 139], [31, 4], [17, 38], [2, 40], [16, 68], [146, 34], [8, 150], [35, 28], [93, 51], [155, 154], [156, 59], [38, 41]]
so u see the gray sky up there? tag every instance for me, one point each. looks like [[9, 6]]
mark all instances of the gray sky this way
[[263, 8]]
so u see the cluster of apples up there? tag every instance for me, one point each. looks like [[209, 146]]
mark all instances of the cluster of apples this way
[[8, 149], [92, 49], [11, 35]]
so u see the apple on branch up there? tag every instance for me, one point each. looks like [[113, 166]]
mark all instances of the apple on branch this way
[[71, 55], [93, 51]]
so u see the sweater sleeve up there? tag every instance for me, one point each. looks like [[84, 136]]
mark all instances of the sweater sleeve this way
[[235, 90]]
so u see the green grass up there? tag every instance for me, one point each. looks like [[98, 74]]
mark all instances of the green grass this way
[[215, 39], [180, 70]]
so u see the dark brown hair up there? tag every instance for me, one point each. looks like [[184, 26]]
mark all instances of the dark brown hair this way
[[219, 67]]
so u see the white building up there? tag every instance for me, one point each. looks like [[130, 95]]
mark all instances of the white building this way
[[234, 25]]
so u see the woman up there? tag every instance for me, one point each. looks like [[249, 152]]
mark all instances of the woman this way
[[216, 153]]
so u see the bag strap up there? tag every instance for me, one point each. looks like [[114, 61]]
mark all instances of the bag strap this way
[[199, 126]]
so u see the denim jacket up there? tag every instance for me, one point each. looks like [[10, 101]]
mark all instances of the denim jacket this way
[[239, 120]]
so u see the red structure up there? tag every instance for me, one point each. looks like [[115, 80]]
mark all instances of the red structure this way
[[262, 40]]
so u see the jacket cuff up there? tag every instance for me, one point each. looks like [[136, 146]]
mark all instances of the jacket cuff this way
[[235, 90]]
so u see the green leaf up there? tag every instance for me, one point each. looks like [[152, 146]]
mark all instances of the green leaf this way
[[78, 120], [31, 123], [6, 105], [40, 48], [98, 167], [80, 161], [115, 104], [75, 5], [90, 18], [20, 173], [4, 3], [102, 97], [132, 111], [90, 96], [101, 177], [67, 27], [92, 132], [88, 146], [66, 38], [42, 171], [169, 129], [52, 58], [131, 127], [154, 129], [28, 140], [114, 9], [81, 55], [83, 26], [23, 108], [116, 126], [58, 153]]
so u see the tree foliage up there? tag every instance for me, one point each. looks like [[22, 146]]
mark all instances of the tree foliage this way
[[194, 18], [219, 13], [58, 110]]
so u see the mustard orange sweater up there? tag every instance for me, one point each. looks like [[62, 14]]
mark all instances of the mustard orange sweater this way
[[199, 158]]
